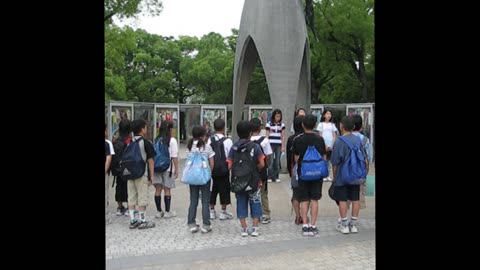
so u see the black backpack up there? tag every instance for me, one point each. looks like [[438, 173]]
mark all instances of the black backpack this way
[[245, 175], [220, 166], [119, 146], [262, 172]]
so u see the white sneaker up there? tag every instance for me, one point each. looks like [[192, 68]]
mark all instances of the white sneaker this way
[[170, 214], [269, 180], [225, 215], [206, 228], [343, 229], [254, 232], [353, 229], [195, 229], [159, 214], [244, 232], [329, 179], [212, 214], [277, 181]]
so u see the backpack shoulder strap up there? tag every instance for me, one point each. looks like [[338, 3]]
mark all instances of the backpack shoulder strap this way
[[364, 140], [260, 140], [346, 142]]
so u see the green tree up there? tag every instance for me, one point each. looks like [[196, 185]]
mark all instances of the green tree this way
[[346, 31], [129, 8]]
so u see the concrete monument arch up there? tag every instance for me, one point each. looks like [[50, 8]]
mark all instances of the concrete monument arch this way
[[274, 32]]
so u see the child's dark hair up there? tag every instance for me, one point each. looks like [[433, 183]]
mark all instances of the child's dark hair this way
[[322, 119], [165, 131], [309, 121], [347, 123], [137, 125], [219, 124], [357, 122], [298, 110], [244, 128], [198, 132], [124, 127], [256, 124], [297, 124], [275, 112]]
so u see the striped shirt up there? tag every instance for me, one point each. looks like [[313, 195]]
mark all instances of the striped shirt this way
[[275, 136], [207, 151]]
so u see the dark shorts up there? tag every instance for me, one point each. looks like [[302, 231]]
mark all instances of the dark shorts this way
[[309, 190], [221, 185], [347, 193]]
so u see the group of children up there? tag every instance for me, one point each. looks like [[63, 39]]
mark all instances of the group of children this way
[[265, 152]]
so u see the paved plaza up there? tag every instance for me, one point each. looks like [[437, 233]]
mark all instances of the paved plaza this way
[[281, 245]]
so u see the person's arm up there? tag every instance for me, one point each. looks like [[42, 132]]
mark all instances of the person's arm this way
[[211, 162], [283, 141], [108, 161], [261, 162], [150, 169]]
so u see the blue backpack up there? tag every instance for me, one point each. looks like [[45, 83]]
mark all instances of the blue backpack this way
[[354, 170], [196, 170], [313, 167], [132, 163], [162, 156]]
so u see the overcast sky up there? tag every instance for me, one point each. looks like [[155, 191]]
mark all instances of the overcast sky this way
[[192, 18]]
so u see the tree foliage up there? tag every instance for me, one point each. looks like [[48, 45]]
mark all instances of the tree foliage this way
[[145, 67]]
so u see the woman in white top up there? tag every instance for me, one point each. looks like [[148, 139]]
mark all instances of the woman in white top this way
[[328, 131]]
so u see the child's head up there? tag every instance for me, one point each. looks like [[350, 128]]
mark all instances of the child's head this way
[[276, 116], [327, 116], [198, 134], [244, 129], [165, 130], [256, 124], [124, 127], [219, 125], [297, 124], [347, 124], [357, 122], [139, 127], [309, 122], [300, 111]]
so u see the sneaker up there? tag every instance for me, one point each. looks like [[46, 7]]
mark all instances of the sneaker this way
[[269, 180], [120, 211], [254, 232], [265, 220], [314, 230], [277, 181], [195, 228], [353, 228], [343, 229], [146, 224], [244, 232], [170, 214], [160, 214], [206, 228], [306, 231], [225, 215], [126, 213], [134, 224], [212, 214]]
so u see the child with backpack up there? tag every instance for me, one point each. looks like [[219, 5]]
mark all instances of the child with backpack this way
[[245, 159], [137, 185], [347, 156], [297, 125], [165, 168], [220, 174], [264, 144], [357, 128], [119, 145], [198, 144], [310, 178]]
